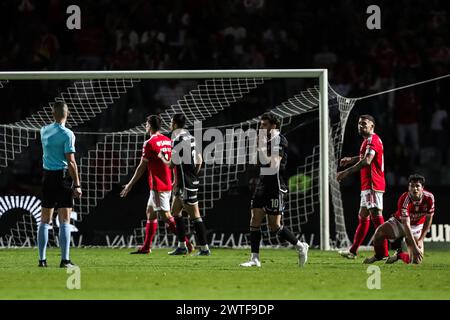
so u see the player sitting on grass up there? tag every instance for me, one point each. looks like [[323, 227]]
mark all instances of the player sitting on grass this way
[[160, 181], [412, 221]]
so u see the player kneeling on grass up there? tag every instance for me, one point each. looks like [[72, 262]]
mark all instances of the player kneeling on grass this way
[[160, 182], [271, 192], [187, 161], [411, 221]]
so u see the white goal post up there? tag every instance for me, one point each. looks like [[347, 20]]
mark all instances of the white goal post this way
[[320, 74]]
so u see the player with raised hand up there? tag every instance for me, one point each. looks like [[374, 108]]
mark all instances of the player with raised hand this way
[[370, 164], [271, 191], [187, 161], [412, 220], [160, 182]]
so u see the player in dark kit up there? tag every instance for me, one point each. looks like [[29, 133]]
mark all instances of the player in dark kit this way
[[187, 162], [271, 191]]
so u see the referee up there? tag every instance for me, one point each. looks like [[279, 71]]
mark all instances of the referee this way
[[60, 182]]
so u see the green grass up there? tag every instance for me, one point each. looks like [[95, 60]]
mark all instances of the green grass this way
[[114, 274]]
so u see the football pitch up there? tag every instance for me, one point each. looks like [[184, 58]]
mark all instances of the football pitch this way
[[115, 274]]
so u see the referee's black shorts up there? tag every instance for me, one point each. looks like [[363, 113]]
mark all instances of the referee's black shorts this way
[[57, 189]]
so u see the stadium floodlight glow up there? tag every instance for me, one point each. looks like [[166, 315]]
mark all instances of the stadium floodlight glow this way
[[111, 84]]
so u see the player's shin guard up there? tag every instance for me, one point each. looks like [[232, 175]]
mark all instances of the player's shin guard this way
[[286, 235], [43, 239], [360, 234], [255, 239], [200, 230], [378, 221], [181, 229]]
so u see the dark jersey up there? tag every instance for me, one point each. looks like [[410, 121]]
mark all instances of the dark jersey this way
[[278, 145], [184, 158]]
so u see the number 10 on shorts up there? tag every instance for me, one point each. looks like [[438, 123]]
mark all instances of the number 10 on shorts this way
[[274, 203]]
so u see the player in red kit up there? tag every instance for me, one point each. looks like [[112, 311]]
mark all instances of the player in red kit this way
[[159, 179], [370, 164], [412, 220]]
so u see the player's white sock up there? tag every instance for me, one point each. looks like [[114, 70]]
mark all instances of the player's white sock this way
[[299, 245], [205, 247], [181, 244], [255, 256]]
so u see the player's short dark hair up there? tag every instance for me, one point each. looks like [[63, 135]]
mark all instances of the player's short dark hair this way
[[416, 178], [60, 110], [368, 117], [180, 120], [271, 118], [59, 107], [155, 122]]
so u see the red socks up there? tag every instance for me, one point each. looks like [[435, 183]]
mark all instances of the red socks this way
[[150, 231], [380, 249], [360, 234], [172, 226], [377, 221], [383, 250], [404, 256]]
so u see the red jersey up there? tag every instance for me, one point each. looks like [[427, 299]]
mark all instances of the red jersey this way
[[159, 174], [415, 210], [372, 176]]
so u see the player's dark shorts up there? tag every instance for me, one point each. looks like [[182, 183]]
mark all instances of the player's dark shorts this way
[[188, 194], [269, 197], [57, 189]]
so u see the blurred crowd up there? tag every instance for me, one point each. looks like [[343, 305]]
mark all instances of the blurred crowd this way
[[412, 45]]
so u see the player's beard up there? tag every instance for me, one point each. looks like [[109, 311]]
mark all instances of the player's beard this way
[[414, 197], [364, 135]]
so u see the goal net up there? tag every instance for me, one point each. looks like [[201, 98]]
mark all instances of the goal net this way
[[229, 105]]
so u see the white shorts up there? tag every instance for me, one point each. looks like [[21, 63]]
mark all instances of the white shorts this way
[[399, 229], [159, 201], [371, 199]]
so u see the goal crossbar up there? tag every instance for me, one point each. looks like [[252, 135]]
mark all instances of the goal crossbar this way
[[161, 74]]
